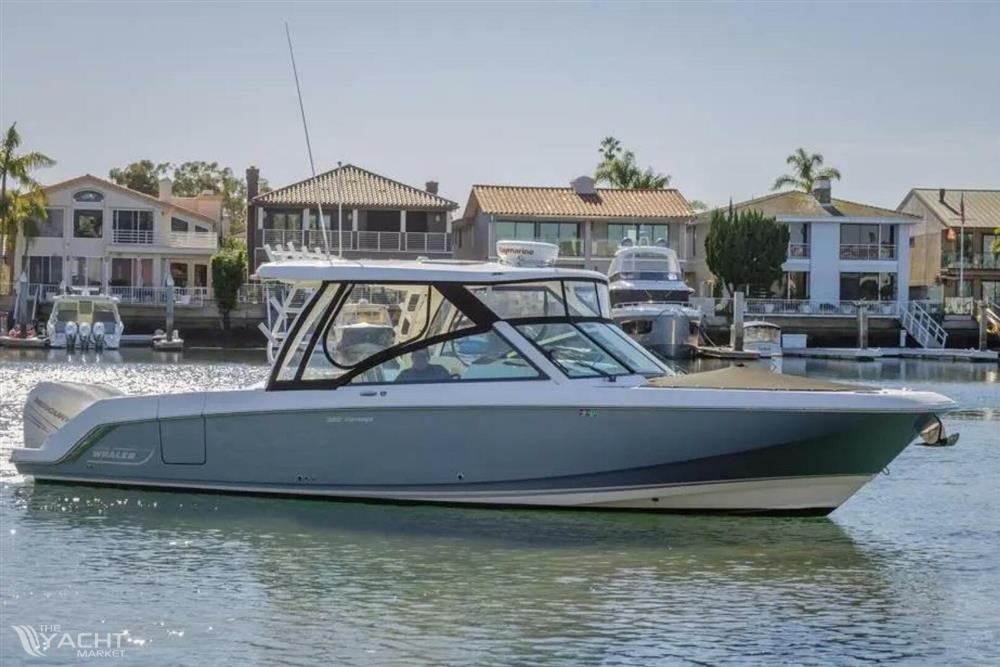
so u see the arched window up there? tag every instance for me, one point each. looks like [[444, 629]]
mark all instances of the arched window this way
[[88, 196]]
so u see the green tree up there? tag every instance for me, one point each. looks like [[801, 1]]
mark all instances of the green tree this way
[[190, 180], [618, 169], [193, 178], [142, 176], [229, 270], [745, 249], [18, 205], [807, 168]]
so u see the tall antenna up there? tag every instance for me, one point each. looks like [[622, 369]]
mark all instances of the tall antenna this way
[[309, 150]]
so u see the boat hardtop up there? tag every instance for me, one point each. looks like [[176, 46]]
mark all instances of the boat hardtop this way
[[316, 271]]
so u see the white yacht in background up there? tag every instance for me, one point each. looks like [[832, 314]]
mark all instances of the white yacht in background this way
[[511, 386], [649, 300], [83, 320]]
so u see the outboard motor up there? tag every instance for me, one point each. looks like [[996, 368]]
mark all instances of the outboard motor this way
[[98, 336], [71, 335], [84, 335]]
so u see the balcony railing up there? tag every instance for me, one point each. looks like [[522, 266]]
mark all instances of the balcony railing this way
[[206, 240], [134, 236], [867, 251], [979, 260], [798, 251], [796, 307], [157, 296], [368, 241]]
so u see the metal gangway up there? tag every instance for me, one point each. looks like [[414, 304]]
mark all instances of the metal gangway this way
[[922, 327]]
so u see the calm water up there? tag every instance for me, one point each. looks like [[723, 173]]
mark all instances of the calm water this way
[[907, 571]]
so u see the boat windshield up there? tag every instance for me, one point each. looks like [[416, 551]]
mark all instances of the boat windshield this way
[[590, 349], [405, 333], [761, 334], [645, 264]]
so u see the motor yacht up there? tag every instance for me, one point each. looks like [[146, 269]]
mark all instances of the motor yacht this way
[[649, 300], [85, 321], [511, 386]]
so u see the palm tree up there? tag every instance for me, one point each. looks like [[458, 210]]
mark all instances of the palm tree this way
[[619, 169], [17, 169], [610, 148], [808, 168]]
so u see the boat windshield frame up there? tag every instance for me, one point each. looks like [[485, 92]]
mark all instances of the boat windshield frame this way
[[459, 294]]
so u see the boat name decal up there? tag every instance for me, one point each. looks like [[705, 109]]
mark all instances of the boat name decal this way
[[349, 420], [114, 454]]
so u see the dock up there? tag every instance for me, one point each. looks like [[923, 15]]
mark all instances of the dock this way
[[871, 354], [843, 353]]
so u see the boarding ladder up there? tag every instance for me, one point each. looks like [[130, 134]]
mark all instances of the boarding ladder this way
[[283, 301], [922, 327]]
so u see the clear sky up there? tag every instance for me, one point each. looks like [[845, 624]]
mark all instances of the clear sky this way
[[895, 95]]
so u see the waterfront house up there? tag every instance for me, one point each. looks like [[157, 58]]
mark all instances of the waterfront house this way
[[102, 235], [586, 222], [839, 251], [936, 246], [380, 217]]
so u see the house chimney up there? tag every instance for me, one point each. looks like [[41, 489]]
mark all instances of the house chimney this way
[[431, 187], [166, 189], [821, 190], [583, 185], [253, 189], [941, 195], [253, 183]]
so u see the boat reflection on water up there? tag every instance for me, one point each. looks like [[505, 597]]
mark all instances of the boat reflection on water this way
[[77, 356], [456, 574]]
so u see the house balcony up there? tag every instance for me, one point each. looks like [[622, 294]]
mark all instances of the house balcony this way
[[203, 240], [975, 261], [134, 237], [146, 237], [869, 251], [362, 241], [798, 251]]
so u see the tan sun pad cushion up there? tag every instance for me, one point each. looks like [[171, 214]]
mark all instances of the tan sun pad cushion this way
[[738, 377]]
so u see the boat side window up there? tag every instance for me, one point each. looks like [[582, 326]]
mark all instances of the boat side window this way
[[374, 318], [477, 357], [624, 348], [302, 332], [576, 354], [104, 312], [582, 299], [66, 312], [529, 299]]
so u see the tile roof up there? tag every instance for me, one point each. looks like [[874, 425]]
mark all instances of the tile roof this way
[[567, 203], [90, 178], [356, 187], [797, 204], [982, 207]]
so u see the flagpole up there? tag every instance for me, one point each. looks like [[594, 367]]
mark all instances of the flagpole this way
[[961, 248]]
